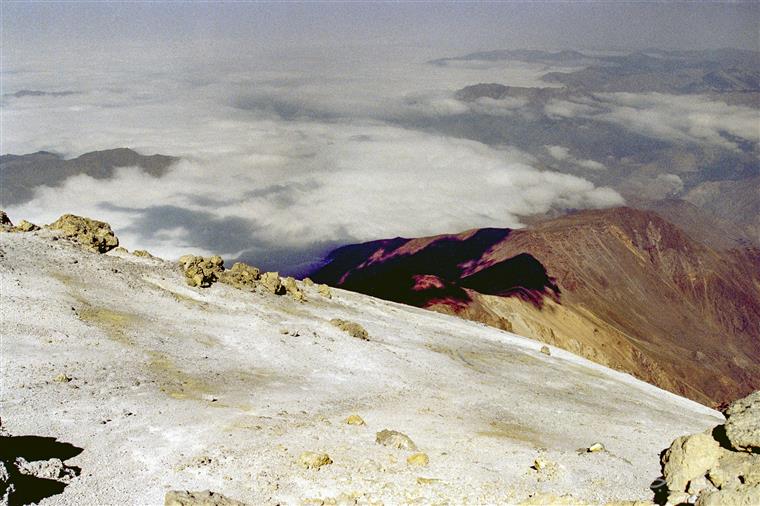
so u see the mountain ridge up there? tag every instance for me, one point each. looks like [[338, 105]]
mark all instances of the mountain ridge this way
[[678, 311]]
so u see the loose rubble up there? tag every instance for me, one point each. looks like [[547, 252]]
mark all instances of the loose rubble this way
[[720, 466], [93, 235]]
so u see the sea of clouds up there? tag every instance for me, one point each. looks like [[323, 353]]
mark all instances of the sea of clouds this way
[[285, 156]]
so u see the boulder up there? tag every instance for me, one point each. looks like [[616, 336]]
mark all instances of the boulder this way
[[4, 220], [734, 496], [292, 288], [314, 460], [272, 282], [204, 498], [199, 271], [743, 423], [353, 329], [308, 282], [26, 226], [324, 291], [395, 439], [689, 458], [717, 467], [93, 235], [736, 468], [241, 276], [142, 253]]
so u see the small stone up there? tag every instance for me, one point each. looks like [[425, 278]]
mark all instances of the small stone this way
[[545, 350], [395, 439], [596, 447], [62, 378], [418, 459], [355, 420], [308, 282], [314, 460], [426, 481], [142, 253], [204, 498]]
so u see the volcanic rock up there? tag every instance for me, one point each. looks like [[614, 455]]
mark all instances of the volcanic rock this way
[[94, 235], [201, 272]]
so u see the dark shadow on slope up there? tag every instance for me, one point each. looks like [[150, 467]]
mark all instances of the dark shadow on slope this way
[[434, 274], [27, 488]]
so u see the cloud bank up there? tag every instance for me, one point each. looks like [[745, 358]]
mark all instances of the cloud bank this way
[[278, 157]]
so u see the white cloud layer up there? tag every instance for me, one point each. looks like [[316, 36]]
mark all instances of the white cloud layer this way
[[275, 155]]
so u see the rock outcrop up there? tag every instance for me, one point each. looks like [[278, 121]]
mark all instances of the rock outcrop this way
[[720, 466], [26, 226], [201, 272], [4, 220], [241, 276], [93, 235]]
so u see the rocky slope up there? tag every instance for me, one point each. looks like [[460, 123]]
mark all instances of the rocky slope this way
[[131, 383], [622, 287]]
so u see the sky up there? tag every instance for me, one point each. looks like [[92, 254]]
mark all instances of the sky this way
[[460, 26], [291, 119]]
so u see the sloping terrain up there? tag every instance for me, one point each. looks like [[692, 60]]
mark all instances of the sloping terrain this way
[[622, 287], [155, 385]]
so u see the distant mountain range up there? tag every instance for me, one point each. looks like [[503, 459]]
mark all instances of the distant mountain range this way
[[21, 174], [623, 287], [721, 70]]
